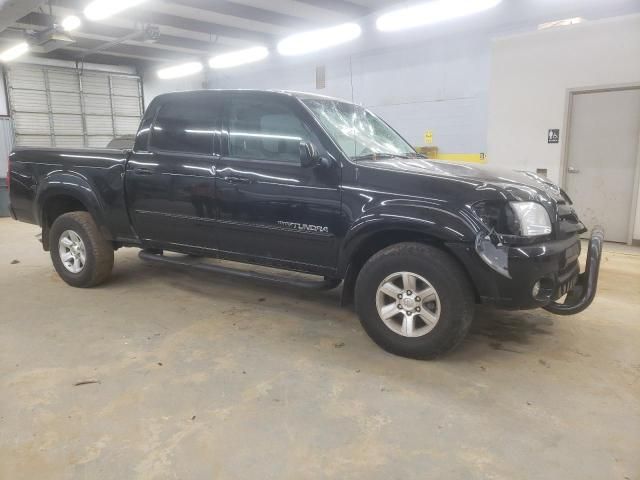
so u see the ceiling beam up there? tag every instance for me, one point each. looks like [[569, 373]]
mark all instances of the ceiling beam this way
[[11, 36], [200, 26], [104, 58], [81, 46], [84, 46], [248, 12], [342, 6], [106, 32], [144, 16], [131, 24]]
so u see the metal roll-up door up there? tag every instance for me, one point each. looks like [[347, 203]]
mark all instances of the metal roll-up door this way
[[64, 107], [28, 105], [96, 96], [127, 107]]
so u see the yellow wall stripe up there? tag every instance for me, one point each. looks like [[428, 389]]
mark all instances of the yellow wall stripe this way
[[462, 157], [432, 153]]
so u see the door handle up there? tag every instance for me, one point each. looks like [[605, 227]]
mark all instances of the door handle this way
[[143, 171], [573, 170], [237, 179]]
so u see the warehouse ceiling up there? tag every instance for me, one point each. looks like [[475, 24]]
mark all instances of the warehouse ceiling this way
[[166, 31], [170, 31]]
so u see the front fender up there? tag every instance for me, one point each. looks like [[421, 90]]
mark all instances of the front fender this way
[[406, 216], [74, 185]]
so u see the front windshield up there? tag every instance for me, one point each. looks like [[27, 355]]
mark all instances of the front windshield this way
[[358, 132]]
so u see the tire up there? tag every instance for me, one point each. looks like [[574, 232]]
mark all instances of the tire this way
[[98, 252], [437, 326]]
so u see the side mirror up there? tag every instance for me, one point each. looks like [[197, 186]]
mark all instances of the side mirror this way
[[309, 156]]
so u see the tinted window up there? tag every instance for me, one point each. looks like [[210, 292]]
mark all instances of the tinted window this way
[[265, 129], [186, 125]]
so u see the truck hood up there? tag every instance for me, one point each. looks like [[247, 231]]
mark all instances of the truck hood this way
[[519, 185]]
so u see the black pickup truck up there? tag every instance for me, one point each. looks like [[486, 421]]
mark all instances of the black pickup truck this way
[[316, 185]]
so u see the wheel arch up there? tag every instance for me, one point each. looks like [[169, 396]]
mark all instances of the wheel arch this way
[[65, 193], [371, 244]]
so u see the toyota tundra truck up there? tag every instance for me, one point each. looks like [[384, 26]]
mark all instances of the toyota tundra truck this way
[[317, 185]]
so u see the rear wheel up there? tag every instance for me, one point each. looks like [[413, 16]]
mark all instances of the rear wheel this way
[[80, 254], [414, 300]]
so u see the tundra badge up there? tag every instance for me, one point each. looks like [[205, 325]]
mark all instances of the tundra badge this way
[[303, 227]]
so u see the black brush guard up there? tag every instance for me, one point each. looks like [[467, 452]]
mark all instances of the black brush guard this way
[[581, 296]]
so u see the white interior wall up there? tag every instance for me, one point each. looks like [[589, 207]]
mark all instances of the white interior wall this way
[[439, 85], [531, 76], [153, 86]]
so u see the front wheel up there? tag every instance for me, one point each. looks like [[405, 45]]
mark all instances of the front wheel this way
[[80, 254], [414, 300]]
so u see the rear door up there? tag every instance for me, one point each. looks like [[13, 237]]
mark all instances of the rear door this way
[[272, 210], [171, 185]]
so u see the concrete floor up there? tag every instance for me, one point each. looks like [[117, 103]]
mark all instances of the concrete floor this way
[[200, 376]]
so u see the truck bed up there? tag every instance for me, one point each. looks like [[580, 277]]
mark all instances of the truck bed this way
[[93, 177]]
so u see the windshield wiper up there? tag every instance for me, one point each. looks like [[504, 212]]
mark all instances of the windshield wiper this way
[[376, 156]]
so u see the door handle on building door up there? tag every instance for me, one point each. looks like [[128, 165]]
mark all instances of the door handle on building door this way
[[573, 170]]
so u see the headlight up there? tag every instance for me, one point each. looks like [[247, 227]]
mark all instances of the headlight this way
[[523, 219], [533, 218], [497, 217]]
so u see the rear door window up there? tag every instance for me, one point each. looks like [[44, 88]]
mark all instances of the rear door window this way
[[186, 125]]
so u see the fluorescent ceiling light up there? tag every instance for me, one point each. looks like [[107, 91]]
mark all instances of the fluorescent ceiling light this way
[[239, 57], [560, 23], [70, 23], [315, 40], [430, 13], [14, 52], [180, 70], [101, 9]]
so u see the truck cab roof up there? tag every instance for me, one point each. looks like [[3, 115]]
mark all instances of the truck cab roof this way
[[288, 93]]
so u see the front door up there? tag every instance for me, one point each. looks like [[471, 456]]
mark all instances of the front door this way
[[171, 187], [272, 210], [603, 153]]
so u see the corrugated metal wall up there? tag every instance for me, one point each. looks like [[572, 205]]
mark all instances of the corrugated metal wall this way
[[6, 143], [62, 107]]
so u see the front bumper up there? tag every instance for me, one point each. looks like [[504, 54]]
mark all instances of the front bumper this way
[[582, 294], [554, 264]]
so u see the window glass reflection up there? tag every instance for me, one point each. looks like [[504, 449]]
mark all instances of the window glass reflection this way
[[186, 124], [263, 129]]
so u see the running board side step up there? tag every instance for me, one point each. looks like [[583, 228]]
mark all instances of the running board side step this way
[[326, 284]]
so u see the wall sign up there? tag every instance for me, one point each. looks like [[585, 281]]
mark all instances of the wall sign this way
[[428, 137], [554, 135]]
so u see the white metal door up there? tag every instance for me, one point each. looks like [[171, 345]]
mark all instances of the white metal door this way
[[63, 107], [601, 165]]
